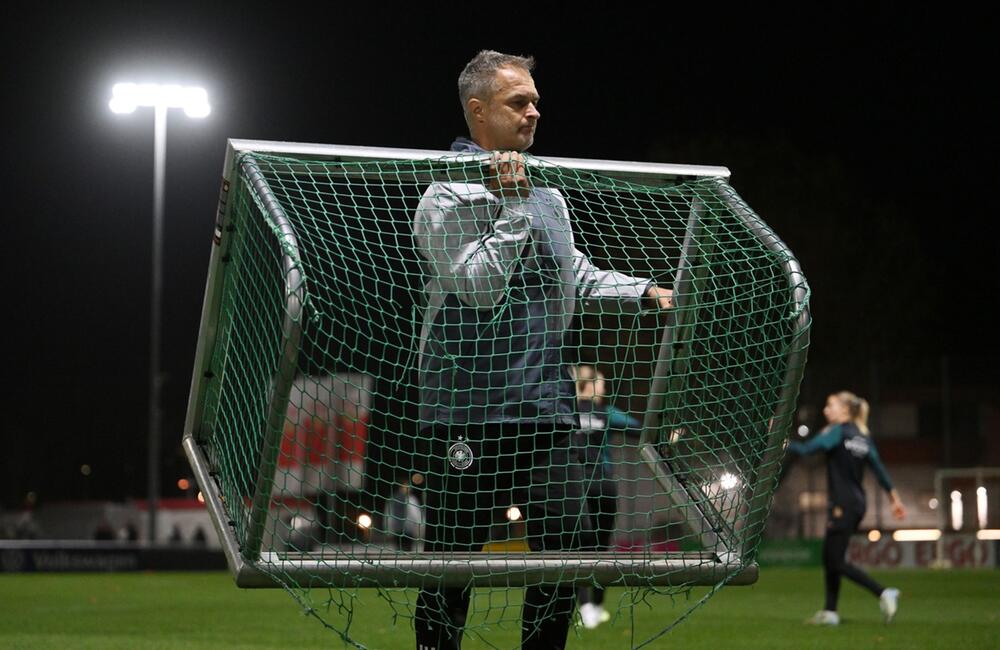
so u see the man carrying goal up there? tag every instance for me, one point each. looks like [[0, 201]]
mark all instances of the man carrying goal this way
[[497, 396]]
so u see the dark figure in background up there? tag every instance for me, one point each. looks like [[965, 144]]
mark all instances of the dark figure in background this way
[[497, 403], [404, 516], [104, 531], [849, 448], [597, 418]]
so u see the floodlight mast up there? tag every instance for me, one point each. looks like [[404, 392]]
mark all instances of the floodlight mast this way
[[125, 98]]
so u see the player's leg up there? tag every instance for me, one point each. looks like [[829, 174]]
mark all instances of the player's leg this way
[[858, 576], [590, 456], [457, 519], [441, 611], [850, 571], [606, 506], [888, 598], [557, 519], [834, 548], [602, 502]]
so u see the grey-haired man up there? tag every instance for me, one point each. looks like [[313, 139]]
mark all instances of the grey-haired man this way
[[498, 404]]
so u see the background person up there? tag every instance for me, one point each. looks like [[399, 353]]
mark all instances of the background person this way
[[849, 448], [597, 418]]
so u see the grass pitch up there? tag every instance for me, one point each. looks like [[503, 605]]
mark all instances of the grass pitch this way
[[938, 609]]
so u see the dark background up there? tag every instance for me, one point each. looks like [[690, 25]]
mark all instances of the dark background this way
[[865, 137]]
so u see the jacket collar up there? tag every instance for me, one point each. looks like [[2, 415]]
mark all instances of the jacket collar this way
[[466, 145]]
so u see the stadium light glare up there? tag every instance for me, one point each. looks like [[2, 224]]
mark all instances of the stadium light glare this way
[[728, 481], [988, 534], [981, 505], [956, 510], [125, 98], [917, 535]]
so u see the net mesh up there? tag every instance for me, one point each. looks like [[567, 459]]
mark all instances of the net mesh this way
[[415, 383]]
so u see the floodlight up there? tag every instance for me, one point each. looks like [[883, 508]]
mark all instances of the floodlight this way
[[126, 97]]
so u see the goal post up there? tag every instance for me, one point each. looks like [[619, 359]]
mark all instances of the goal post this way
[[301, 408], [963, 506]]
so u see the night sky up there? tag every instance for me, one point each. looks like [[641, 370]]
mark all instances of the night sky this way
[[865, 138]]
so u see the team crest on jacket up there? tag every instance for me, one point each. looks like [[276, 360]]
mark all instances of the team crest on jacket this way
[[460, 455]]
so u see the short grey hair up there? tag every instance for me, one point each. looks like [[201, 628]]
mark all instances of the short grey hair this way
[[479, 76]]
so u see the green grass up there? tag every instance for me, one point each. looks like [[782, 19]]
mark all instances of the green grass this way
[[950, 609]]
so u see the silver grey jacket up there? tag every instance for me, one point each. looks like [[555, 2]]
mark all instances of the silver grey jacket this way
[[504, 278]]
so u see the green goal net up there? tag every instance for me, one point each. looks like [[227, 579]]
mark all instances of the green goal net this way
[[408, 385]]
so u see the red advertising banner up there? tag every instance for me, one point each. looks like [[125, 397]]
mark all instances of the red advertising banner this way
[[957, 551], [325, 435]]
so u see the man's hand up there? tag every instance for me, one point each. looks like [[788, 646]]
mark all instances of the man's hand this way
[[659, 298], [507, 176]]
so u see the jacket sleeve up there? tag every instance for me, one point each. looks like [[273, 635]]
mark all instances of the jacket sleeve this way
[[823, 442], [880, 472], [621, 421], [471, 239], [597, 288]]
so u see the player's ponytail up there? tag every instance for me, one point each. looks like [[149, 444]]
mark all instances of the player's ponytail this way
[[858, 408]]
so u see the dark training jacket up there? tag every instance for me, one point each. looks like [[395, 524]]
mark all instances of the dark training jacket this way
[[504, 280], [848, 451]]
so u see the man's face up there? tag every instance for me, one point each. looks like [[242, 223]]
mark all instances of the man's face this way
[[507, 121]]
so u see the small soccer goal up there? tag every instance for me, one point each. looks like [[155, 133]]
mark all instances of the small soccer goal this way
[[304, 425]]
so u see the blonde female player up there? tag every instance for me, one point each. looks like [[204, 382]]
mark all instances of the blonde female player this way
[[849, 448]]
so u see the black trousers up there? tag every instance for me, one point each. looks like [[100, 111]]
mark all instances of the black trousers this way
[[534, 468], [835, 564], [602, 504]]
